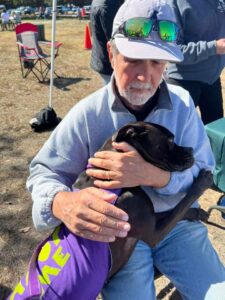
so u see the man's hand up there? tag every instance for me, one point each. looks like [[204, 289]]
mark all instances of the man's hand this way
[[126, 169], [220, 46], [90, 214]]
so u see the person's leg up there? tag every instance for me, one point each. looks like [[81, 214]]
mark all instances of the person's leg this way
[[3, 26], [188, 259], [7, 25], [193, 87], [135, 280], [211, 102]]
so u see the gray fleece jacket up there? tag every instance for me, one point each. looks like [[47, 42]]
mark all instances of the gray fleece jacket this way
[[201, 23], [80, 134]]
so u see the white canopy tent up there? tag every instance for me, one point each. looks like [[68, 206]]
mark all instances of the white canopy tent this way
[[47, 118], [54, 12]]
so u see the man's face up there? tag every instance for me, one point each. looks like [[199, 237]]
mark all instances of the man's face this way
[[136, 80]]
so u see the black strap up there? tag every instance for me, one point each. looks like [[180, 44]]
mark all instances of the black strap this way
[[196, 214]]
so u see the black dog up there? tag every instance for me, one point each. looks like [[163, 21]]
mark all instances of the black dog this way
[[156, 145], [65, 265]]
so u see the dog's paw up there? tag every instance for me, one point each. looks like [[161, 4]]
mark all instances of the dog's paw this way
[[204, 179]]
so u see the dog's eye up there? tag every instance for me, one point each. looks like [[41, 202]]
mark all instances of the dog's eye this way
[[143, 134], [130, 131], [171, 140]]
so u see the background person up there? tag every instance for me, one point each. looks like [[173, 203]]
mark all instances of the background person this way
[[102, 15], [16, 18], [202, 40], [138, 54], [5, 20], [40, 12], [79, 13], [47, 12]]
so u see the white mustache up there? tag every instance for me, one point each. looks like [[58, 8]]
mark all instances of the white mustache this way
[[140, 85]]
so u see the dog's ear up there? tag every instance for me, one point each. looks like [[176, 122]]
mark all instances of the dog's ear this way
[[123, 133], [119, 136], [163, 130]]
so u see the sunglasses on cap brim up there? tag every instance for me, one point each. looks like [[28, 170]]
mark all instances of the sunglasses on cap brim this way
[[142, 28]]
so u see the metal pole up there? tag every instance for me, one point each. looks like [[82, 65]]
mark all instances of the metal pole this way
[[52, 50]]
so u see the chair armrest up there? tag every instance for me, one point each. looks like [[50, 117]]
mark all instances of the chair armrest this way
[[57, 44], [24, 46]]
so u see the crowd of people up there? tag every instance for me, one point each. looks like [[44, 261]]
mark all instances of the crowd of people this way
[[9, 21]]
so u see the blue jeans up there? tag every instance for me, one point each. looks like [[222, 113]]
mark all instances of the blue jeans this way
[[185, 256]]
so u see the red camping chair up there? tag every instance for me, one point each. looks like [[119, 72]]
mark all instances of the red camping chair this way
[[32, 58]]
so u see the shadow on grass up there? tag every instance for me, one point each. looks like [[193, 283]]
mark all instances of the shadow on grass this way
[[8, 166], [62, 83], [4, 292], [18, 241], [166, 290], [6, 142], [8, 198]]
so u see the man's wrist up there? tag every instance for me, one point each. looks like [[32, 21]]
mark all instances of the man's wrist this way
[[163, 179], [160, 179], [56, 207]]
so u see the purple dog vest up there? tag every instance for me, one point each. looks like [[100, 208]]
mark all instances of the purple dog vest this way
[[65, 267]]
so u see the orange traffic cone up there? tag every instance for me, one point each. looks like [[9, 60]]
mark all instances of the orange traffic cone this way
[[87, 38]]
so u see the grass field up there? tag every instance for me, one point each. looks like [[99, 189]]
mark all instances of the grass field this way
[[20, 99]]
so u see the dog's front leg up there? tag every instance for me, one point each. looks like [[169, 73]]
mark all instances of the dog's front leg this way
[[167, 223], [120, 250]]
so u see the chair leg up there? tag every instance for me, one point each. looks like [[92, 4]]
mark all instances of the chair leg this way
[[30, 69], [57, 75], [48, 68], [40, 72]]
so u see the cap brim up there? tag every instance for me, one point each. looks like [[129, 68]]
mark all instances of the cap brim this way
[[149, 49]]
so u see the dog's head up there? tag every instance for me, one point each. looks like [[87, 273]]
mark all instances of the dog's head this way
[[156, 145]]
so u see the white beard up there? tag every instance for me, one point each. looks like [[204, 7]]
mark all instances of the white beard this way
[[135, 98]]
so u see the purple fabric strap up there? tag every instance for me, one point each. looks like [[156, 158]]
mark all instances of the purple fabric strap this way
[[34, 286]]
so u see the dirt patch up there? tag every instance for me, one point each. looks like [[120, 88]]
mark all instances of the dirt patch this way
[[20, 100]]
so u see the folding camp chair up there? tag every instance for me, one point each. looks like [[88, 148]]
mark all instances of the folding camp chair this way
[[31, 56]]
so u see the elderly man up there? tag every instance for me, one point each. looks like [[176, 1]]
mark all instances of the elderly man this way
[[143, 40]]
